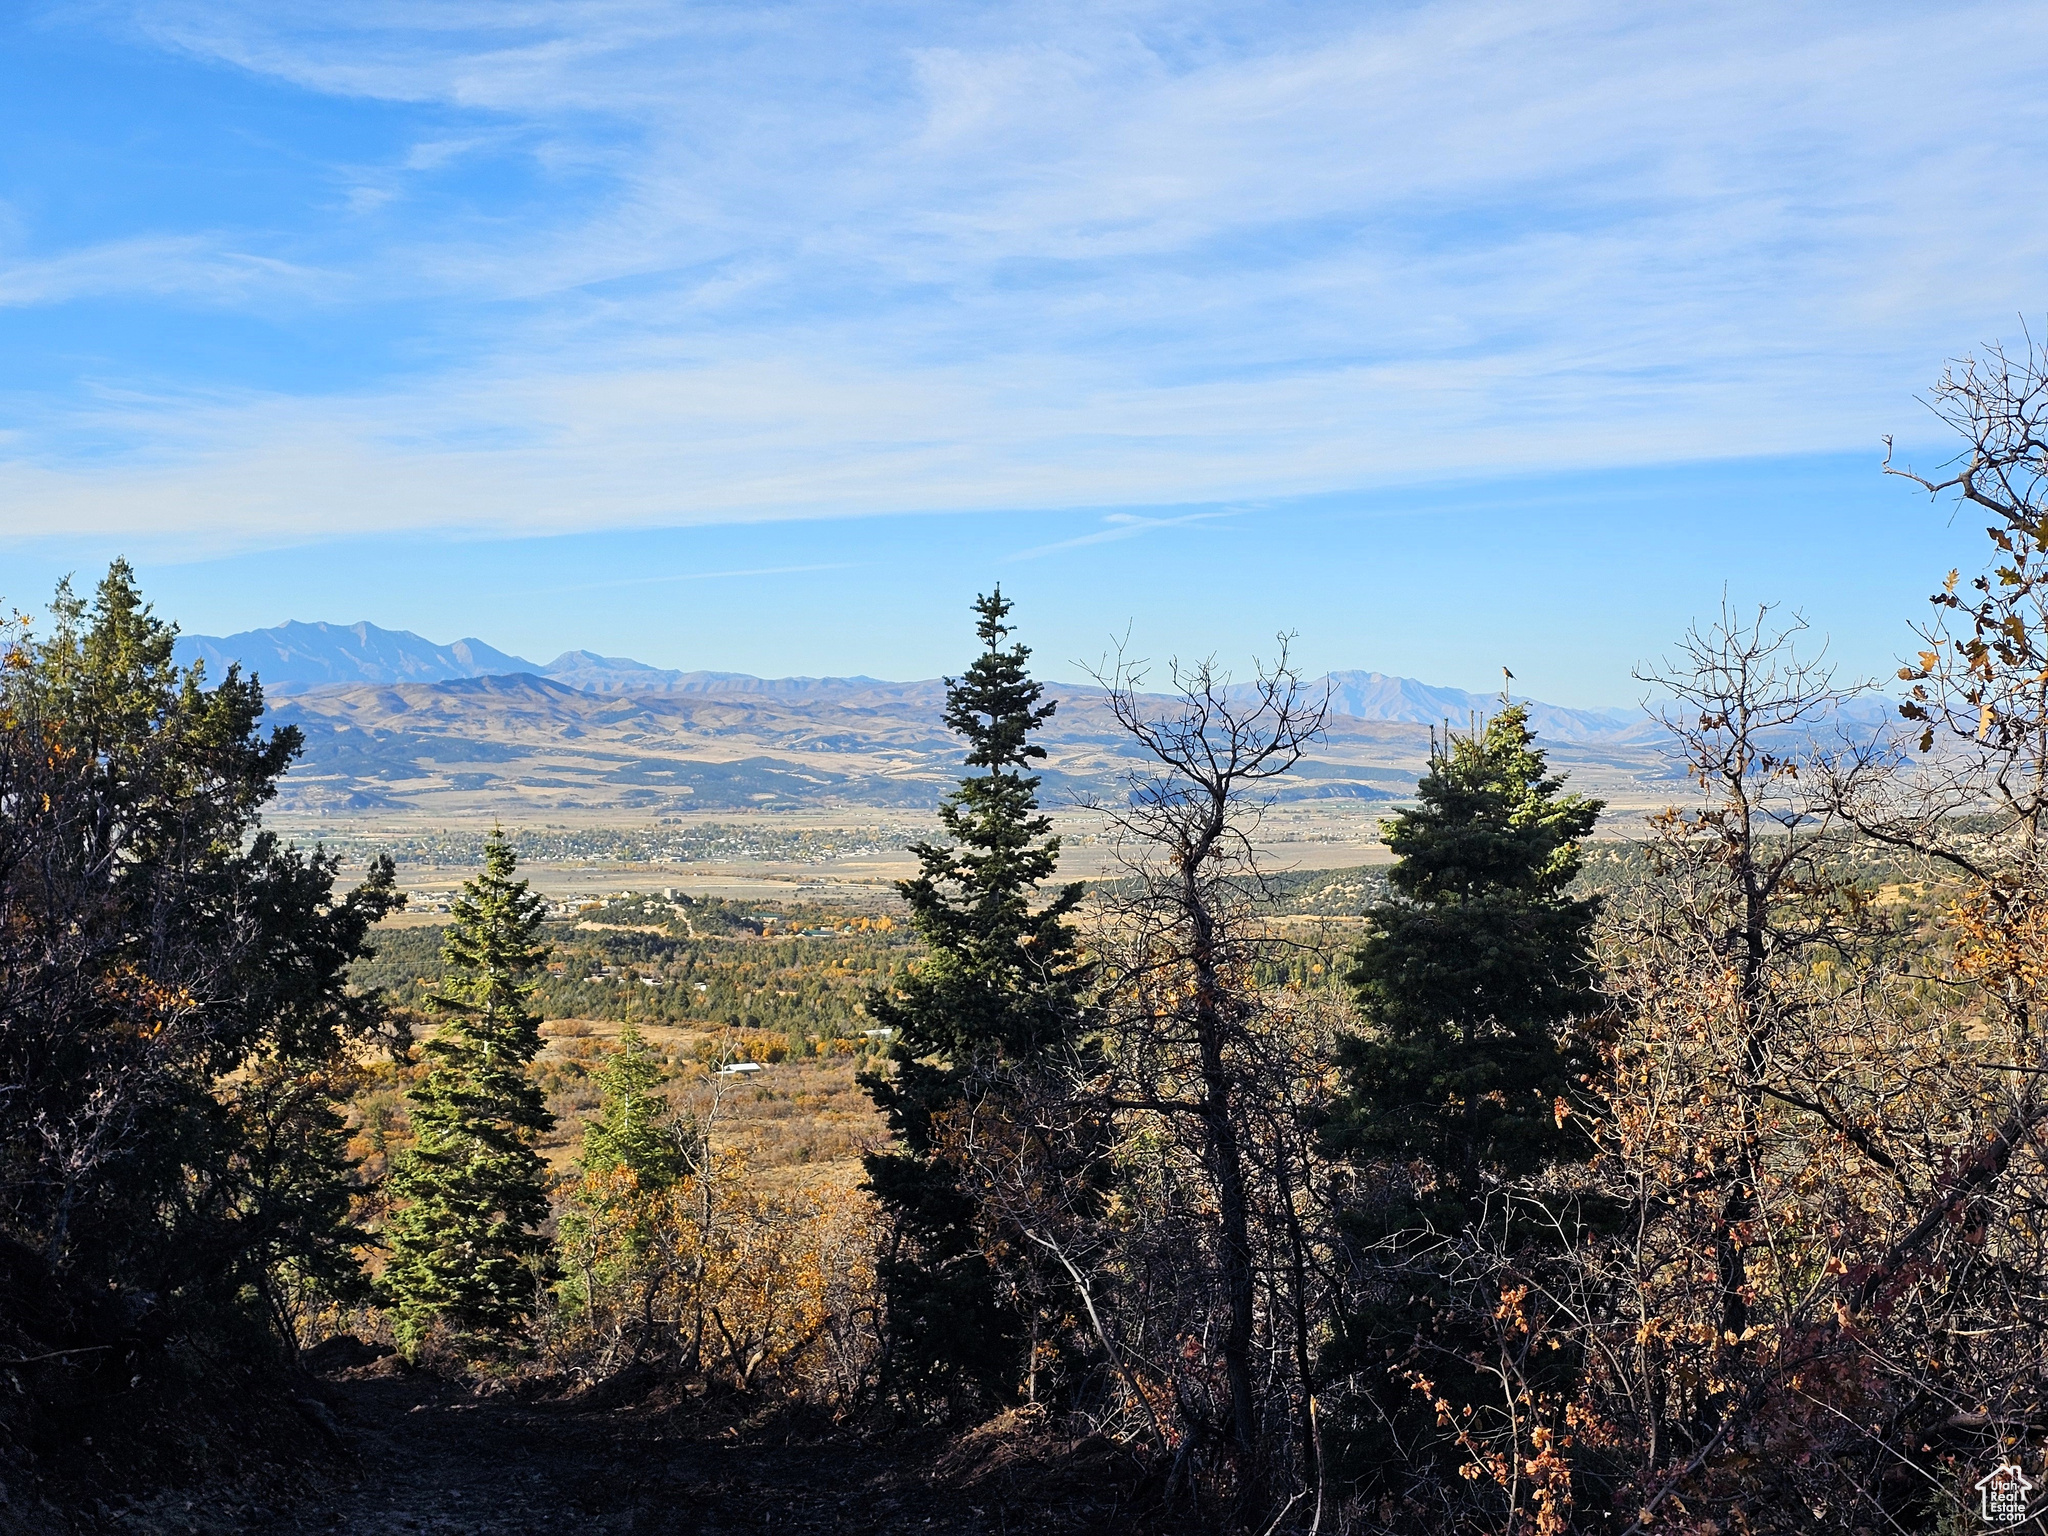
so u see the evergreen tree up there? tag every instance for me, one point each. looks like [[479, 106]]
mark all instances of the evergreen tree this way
[[632, 1158], [1473, 968], [173, 981], [997, 986], [1467, 983], [627, 1131], [465, 1243], [176, 1023]]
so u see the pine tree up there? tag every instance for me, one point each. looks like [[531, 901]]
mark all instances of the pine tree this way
[[627, 1131], [176, 1018], [1472, 970], [998, 985], [465, 1241], [632, 1158], [1468, 983]]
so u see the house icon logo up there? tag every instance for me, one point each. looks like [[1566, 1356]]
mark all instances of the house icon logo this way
[[2003, 1495]]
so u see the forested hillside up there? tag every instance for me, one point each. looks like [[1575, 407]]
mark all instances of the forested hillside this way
[[1529, 1182]]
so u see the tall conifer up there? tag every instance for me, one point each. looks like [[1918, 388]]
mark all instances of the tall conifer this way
[[1467, 983], [1472, 969], [465, 1241], [175, 1014], [998, 985]]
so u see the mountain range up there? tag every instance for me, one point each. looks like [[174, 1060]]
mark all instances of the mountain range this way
[[396, 724], [294, 657]]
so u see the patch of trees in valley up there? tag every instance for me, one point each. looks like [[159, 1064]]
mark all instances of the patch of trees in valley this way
[[797, 971]]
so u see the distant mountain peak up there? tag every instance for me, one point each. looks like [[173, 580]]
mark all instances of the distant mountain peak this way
[[607, 674], [298, 654], [1379, 696]]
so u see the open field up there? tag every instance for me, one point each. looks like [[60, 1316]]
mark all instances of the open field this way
[[852, 859], [430, 865], [800, 1120]]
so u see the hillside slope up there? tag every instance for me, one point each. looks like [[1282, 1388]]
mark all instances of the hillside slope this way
[[526, 746]]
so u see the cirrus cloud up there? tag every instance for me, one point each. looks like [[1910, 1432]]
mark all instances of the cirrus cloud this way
[[673, 264]]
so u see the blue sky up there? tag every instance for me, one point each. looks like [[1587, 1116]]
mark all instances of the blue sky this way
[[761, 337]]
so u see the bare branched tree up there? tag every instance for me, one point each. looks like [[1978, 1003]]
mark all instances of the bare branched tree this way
[[1979, 685], [1821, 1122], [1191, 1045], [1746, 868]]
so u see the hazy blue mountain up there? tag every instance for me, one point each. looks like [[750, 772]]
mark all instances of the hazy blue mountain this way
[[621, 674], [606, 674], [294, 656], [395, 721], [392, 720], [1376, 696]]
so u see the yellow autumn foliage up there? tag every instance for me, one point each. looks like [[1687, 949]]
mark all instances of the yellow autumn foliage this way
[[724, 1272]]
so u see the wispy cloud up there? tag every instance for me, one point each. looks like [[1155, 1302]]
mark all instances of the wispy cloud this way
[[202, 268], [806, 260], [1120, 525]]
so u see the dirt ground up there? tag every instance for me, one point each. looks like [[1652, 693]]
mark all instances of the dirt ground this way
[[418, 1454]]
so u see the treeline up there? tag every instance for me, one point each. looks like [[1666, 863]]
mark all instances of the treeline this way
[[1706, 1190]]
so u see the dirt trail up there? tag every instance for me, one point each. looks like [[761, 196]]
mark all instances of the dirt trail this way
[[422, 1456]]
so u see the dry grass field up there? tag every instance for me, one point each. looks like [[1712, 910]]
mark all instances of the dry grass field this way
[[796, 1120]]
